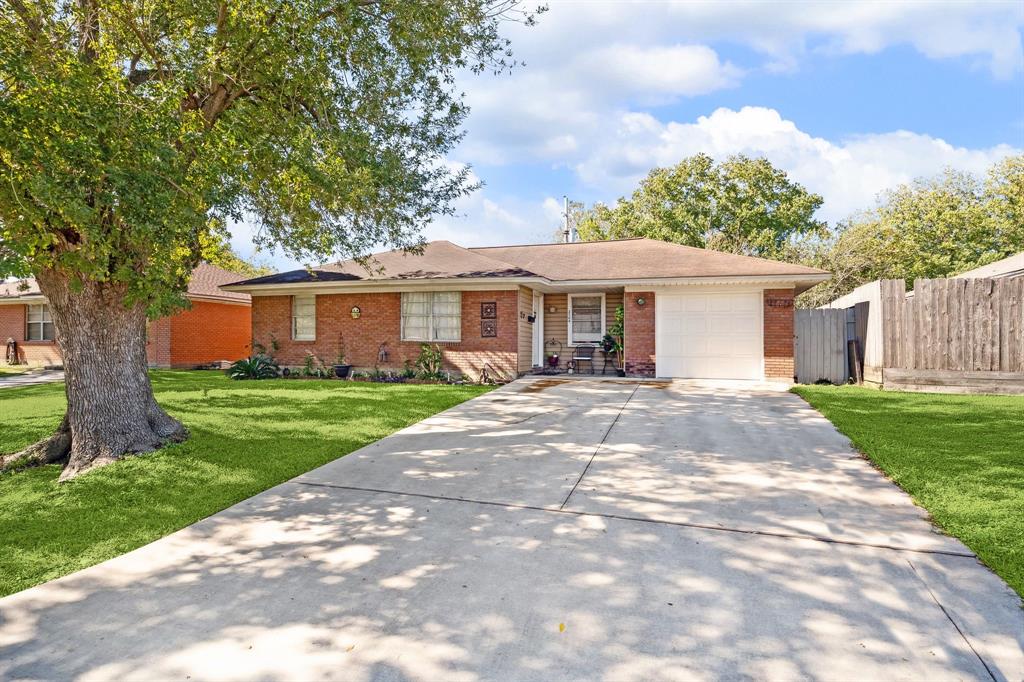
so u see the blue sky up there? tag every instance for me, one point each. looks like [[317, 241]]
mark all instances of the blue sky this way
[[849, 98]]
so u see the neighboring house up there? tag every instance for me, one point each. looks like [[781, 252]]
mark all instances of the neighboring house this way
[[688, 312], [1006, 268], [216, 326]]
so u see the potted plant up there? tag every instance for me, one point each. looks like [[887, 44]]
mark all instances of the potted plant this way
[[341, 368], [552, 360], [616, 334]]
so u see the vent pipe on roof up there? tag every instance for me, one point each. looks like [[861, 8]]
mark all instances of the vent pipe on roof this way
[[568, 233]]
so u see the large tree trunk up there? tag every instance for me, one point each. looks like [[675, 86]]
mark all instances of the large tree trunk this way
[[111, 409]]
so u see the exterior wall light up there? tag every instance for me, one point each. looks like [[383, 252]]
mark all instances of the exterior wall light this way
[[641, 301], [356, 312]]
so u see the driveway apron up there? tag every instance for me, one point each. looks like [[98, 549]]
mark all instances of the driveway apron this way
[[553, 529]]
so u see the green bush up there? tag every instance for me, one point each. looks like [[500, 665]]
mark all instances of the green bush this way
[[256, 367], [428, 364]]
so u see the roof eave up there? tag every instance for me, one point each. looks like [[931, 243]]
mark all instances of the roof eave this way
[[213, 298], [23, 300], [802, 280], [365, 284]]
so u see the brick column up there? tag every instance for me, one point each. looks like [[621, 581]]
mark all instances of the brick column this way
[[639, 334], [778, 334]]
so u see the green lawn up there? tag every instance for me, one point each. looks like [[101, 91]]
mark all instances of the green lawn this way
[[246, 437], [959, 457], [8, 370]]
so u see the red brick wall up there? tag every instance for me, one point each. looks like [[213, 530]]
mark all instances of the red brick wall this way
[[380, 322], [778, 334], [12, 325], [158, 343], [208, 332], [638, 334]]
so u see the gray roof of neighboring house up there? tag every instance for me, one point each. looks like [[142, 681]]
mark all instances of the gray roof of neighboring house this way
[[1008, 267], [438, 260], [624, 259], [205, 283]]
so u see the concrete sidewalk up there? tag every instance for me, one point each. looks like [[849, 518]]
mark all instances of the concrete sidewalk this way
[[549, 530], [31, 378]]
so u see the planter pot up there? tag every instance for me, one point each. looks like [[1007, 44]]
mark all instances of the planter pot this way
[[342, 371]]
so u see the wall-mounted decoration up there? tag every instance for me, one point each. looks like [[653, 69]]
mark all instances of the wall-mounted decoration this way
[[489, 310], [488, 328], [356, 312], [552, 309], [779, 302]]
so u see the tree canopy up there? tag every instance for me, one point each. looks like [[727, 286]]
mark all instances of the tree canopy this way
[[128, 128], [932, 227], [741, 205], [131, 132]]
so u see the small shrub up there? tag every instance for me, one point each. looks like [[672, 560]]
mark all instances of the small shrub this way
[[314, 367], [256, 367], [428, 364], [409, 372], [271, 353]]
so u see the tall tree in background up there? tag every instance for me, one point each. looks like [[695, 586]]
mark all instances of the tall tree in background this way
[[215, 249], [128, 128], [741, 205], [932, 227]]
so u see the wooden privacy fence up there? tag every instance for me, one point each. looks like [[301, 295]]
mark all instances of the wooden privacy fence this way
[[964, 325], [820, 346]]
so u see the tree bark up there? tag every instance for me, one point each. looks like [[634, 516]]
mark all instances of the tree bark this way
[[111, 410]]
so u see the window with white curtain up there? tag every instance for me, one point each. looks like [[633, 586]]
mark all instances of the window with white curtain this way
[[304, 318], [432, 316], [586, 318], [39, 323]]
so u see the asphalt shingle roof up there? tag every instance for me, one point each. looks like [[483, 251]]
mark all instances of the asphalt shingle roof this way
[[206, 282], [623, 259]]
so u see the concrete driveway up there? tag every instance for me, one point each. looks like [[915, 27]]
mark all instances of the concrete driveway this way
[[549, 530]]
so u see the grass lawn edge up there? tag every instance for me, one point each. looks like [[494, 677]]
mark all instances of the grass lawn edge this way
[[921, 485], [240, 430]]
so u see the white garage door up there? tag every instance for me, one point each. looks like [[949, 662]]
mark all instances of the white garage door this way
[[709, 335]]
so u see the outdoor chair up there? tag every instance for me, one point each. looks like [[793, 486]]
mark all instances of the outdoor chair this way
[[584, 353]]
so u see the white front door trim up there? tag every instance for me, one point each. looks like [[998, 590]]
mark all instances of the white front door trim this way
[[538, 329]]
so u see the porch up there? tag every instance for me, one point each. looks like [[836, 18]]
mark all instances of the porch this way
[[570, 325]]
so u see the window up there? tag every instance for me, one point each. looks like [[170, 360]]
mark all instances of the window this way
[[40, 324], [304, 318], [432, 316], [586, 318]]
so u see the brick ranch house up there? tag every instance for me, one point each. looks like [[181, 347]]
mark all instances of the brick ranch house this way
[[216, 326], [688, 312]]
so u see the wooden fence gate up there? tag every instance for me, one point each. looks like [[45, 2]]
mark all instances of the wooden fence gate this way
[[820, 346]]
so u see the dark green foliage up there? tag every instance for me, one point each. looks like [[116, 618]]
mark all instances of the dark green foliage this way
[[428, 364], [741, 205], [256, 367], [131, 133]]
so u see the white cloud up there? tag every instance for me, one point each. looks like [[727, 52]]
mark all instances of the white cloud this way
[[592, 68], [655, 72], [987, 31], [848, 173]]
